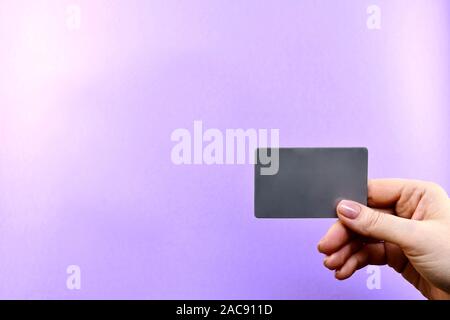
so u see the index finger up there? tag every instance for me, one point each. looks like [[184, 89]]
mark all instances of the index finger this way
[[384, 193]]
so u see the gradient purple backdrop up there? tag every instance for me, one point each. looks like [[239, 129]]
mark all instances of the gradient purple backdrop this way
[[86, 117]]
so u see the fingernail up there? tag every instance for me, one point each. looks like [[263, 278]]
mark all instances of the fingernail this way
[[349, 209]]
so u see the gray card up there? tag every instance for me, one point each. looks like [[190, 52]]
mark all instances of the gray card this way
[[309, 182]]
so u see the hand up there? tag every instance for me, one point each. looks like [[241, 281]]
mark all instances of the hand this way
[[406, 227]]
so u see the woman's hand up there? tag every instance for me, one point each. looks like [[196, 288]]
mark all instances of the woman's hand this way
[[406, 226]]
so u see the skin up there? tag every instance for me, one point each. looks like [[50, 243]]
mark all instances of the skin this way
[[406, 226]]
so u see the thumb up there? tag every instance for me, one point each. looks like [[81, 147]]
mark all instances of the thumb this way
[[375, 224]]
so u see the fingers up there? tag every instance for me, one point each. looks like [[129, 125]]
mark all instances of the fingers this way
[[369, 254], [337, 259], [355, 262], [384, 193], [397, 227], [376, 224], [379, 253], [336, 237], [347, 264]]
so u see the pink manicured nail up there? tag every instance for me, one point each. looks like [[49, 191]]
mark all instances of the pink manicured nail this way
[[349, 209]]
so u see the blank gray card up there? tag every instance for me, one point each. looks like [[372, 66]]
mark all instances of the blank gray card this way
[[309, 182]]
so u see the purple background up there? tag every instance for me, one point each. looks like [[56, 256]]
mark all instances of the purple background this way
[[86, 117]]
